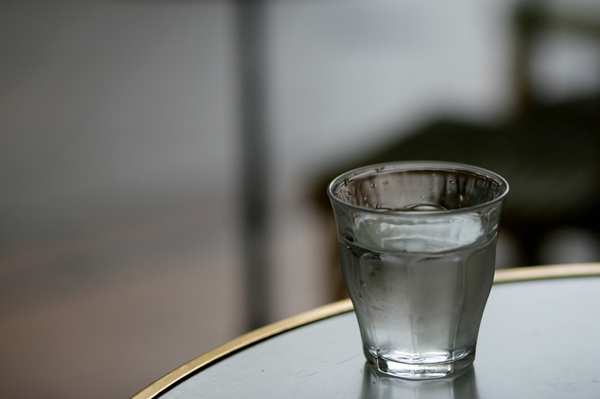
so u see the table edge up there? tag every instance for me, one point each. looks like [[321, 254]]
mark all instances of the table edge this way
[[501, 276]]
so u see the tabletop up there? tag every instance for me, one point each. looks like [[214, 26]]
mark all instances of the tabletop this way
[[538, 339]]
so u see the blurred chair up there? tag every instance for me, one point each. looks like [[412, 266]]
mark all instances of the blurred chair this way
[[550, 154]]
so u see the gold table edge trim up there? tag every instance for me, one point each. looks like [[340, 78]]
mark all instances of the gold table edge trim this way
[[501, 276]]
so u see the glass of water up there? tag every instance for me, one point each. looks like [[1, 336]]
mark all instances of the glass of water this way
[[417, 244]]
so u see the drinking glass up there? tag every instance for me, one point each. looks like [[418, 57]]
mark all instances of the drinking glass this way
[[417, 243]]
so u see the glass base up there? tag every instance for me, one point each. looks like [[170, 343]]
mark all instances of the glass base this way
[[421, 371]]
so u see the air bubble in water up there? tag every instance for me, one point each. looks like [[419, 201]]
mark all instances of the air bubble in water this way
[[372, 185], [384, 182]]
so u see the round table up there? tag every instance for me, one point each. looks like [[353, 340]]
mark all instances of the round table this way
[[539, 338]]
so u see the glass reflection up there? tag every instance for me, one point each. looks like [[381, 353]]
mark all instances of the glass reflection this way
[[379, 386]]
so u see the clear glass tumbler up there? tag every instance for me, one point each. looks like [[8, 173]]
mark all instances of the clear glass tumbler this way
[[417, 244]]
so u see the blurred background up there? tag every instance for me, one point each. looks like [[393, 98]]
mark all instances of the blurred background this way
[[149, 147]]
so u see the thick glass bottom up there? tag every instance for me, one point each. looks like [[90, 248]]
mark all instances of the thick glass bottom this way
[[420, 370]]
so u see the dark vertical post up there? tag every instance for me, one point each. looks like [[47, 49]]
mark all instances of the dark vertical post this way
[[255, 155]]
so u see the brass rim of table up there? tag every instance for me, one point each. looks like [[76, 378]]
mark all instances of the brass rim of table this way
[[165, 383]]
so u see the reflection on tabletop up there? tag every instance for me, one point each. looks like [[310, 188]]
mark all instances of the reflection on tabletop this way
[[378, 386]]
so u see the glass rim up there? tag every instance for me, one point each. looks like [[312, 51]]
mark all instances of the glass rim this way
[[419, 165]]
